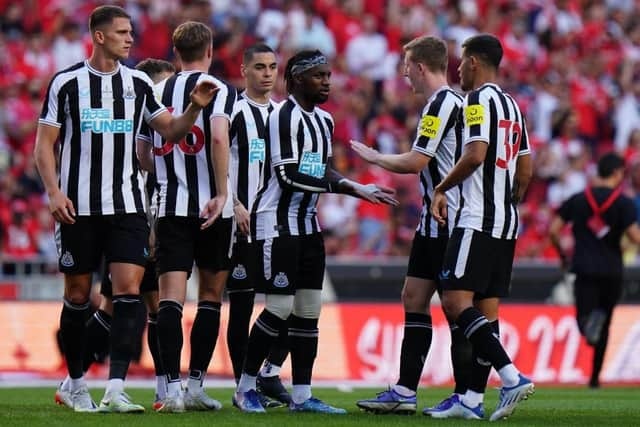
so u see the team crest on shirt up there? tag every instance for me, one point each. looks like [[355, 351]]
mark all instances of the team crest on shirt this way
[[474, 114], [429, 126], [129, 94], [67, 259], [239, 273], [281, 280]]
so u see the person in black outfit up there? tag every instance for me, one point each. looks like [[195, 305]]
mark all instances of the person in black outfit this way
[[600, 216]]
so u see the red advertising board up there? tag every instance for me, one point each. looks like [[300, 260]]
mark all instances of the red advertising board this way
[[362, 342]]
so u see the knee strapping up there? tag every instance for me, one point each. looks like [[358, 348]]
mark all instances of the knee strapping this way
[[279, 305], [307, 303]]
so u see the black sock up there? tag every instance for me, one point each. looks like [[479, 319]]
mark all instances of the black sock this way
[[73, 331], [303, 338], [481, 368], [97, 342], [477, 329], [169, 326], [240, 309], [204, 335], [415, 348], [280, 348], [152, 342], [263, 334], [461, 351], [124, 328]]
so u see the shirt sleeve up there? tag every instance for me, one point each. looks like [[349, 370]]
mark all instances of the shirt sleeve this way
[[566, 209], [284, 125], [223, 100], [476, 118], [52, 113], [433, 125], [629, 213], [152, 108]]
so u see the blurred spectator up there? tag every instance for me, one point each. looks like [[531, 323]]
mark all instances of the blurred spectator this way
[[627, 112], [368, 53], [68, 48], [573, 66], [313, 34]]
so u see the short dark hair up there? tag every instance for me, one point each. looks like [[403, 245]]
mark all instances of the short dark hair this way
[[153, 67], [103, 15], [608, 164], [191, 39], [430, 51], [486, 47], [299, 56], [248, 53]]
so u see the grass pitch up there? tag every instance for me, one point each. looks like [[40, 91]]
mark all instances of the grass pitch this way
[[578, 406]]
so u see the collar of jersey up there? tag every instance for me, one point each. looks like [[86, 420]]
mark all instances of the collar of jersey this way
[[434, 94], [254, 103], [100, 73], [308, 113], [494, 85]]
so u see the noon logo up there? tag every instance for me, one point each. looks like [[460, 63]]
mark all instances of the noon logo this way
[[474, 114], [429, 126], [281, 280]]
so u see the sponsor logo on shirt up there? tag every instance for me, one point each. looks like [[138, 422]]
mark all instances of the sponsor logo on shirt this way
[[311, 164], [429, 126], [474, 114]]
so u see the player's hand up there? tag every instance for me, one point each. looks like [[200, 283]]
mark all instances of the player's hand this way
[[212, 210], [372, 192], [61, 207], [202, 94], [242, 218], [367, 153], [439, 206]]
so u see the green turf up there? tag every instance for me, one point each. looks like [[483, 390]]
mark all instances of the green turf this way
[[548, 407]]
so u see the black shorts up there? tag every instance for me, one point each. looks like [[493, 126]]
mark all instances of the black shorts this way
[[180, 242], [119, 238], [284, 264], [239, 280], [475, 261], [427, 254], [149, 280]]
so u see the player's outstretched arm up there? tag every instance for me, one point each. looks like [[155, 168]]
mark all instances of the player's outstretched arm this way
[[60, 205], [174, 128], [409, 162]]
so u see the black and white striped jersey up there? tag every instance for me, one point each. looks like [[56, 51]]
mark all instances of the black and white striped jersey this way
[[248, 134], [99, 115], [492, 116], [438, 137], [184, 171], [295, 137]]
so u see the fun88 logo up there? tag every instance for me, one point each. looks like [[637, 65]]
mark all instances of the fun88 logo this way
[[256, 150], [311, 164], [99, 120]]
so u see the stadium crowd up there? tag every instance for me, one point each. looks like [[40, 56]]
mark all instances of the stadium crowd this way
[[573, 66]]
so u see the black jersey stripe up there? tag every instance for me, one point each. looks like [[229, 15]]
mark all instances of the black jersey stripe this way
[[118, 146], [488, 180], [172, 181], [190, 164], [71, 88], [284, 126], [95, 187]]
